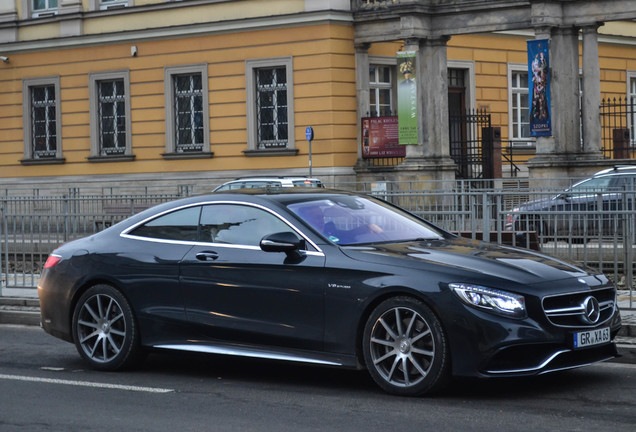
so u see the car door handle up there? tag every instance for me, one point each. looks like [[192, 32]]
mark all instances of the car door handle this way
[[207, 256]]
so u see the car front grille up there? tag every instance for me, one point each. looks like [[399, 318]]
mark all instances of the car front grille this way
[[580, 309]]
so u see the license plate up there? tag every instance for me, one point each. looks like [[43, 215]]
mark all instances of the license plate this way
[[591, 337]]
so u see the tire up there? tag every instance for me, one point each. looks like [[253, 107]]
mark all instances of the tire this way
[[104, 329], [405, 348]]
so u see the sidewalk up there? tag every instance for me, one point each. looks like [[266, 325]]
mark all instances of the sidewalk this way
[[25, 310]]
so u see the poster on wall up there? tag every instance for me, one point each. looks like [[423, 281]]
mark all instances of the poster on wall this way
[[380, 138], [407, 97], [539, 87]]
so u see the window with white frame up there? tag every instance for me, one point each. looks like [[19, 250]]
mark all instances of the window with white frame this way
[[270, 105], [109, 94], [42, 138], [380, 90], [187, 110], [112, 4], [519, 108], [41, 8]]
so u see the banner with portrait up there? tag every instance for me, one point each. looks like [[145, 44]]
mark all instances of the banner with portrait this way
[[539, 87], [407, 97]]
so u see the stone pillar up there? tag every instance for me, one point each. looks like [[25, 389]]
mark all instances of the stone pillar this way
[[431, 156], [591, 93], [362, 91], [566, 120], [562, 156]]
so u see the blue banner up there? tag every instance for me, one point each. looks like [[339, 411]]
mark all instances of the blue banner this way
[[539, 87]]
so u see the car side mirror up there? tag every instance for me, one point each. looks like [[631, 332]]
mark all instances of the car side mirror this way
[[287, 242], [565, 196]]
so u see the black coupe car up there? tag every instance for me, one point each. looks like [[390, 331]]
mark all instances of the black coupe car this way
[[323, 277]]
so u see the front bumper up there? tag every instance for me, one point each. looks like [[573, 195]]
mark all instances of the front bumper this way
[[486, 346]]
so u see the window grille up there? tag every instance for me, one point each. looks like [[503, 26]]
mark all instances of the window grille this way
[[44, 127], [271, 107], [189, 132], [112, 117]]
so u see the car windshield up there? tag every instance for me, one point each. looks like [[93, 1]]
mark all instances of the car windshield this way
[[351, 220], [593, 185]]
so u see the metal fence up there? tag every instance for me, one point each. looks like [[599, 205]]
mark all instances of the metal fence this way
[[596, 228]]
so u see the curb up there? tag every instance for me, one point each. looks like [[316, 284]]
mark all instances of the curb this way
[[20, 311]]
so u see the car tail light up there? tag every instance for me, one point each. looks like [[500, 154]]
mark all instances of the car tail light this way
[[52, 261]]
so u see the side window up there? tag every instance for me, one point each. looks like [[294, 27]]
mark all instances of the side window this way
[[238, 224], [179, 225]]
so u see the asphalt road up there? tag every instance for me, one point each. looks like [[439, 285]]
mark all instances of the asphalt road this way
[[44, 386]]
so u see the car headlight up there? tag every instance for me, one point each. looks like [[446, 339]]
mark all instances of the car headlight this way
[[492, 300]]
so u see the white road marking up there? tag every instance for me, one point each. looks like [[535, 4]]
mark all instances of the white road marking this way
[[86, 384]]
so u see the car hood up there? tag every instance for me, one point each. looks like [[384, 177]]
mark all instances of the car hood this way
[[540, 204], [468, 260]]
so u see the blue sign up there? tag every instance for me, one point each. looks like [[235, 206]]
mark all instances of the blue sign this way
[[539, 87], [309, 133]]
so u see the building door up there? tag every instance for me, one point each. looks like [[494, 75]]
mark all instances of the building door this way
[[458, 133]]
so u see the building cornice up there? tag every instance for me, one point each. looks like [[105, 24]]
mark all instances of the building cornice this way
[[190, 30]]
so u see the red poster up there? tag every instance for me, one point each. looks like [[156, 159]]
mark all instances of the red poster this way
[[380, 138]]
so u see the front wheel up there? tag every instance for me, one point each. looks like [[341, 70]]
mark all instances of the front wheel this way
[[405, 348], [104, 329]]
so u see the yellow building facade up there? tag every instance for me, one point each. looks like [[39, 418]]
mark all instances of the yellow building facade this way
[[125, 91]]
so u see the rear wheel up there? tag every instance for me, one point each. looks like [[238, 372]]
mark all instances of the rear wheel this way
[[405, 348], [104, 329]]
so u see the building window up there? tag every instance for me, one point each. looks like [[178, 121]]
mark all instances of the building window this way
[[270, 105], [380, 91], [109, 94], [187, 111], [43, 124], [271, 108], [41, 8], [112, 4], [42, 139], [109, 4], [519, 109]]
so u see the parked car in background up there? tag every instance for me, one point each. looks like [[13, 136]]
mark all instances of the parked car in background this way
[[269, 182], [581, 211], [325, 278]]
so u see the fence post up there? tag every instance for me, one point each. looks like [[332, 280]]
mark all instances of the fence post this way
[[66, 218], [485, 210], [629, 222], [2, 246]]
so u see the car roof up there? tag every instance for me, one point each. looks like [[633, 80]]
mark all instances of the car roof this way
[[617, 169], [281, 196]]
